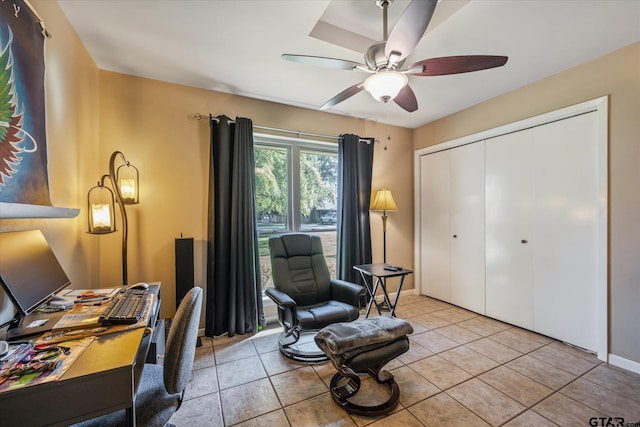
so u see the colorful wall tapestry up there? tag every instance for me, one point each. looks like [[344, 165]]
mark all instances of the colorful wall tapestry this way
[[23, 146]]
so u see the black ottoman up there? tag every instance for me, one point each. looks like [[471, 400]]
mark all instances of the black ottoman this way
[[364, 347]]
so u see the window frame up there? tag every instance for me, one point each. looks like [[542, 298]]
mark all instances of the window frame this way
[[294, 147]]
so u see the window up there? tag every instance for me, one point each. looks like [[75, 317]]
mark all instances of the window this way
[[296, 190]]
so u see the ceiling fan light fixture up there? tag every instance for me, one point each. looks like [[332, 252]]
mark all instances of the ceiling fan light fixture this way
[[385, 85]]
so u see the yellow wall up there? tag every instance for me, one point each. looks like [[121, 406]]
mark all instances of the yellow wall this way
[[618, 76], [72, 94], [152, 123]]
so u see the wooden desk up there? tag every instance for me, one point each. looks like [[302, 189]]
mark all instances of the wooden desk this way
[[370, 271], [103, 379]]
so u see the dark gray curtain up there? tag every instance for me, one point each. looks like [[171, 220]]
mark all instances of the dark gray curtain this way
[[234, 288], [355, 165]]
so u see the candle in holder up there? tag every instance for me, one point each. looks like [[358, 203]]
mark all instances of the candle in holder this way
[[128, 190], [101, 218]]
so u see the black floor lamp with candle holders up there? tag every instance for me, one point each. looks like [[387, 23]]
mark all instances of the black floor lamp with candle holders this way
[[100, 201]]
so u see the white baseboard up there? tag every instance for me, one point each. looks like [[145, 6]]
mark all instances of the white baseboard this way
[[623, 363]]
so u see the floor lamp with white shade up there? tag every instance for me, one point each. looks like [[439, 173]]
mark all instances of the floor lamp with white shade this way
[[383, 201]]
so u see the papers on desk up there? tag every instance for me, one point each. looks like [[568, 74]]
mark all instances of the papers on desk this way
[[15, 353], [75, 347], [79, 317], [83, 321], [84, 296], [55, 337], [74, 321], [87, 314]]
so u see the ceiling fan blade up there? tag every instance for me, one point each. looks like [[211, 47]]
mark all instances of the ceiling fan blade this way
[[345, 94], [410, 28], [320, 61], [456, 64], [406, 99]]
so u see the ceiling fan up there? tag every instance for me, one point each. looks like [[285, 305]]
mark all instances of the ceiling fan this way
[[384, 60]]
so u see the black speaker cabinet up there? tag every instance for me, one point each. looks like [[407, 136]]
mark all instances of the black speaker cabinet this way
[[184, 268]]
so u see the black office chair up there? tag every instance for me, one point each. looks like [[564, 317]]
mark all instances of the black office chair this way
[[308, 299], [161, 389]]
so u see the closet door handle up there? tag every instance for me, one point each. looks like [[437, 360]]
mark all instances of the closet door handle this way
[[524, 242], [455, 236]]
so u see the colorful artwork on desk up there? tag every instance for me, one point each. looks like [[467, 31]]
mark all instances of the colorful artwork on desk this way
[[23, 146], [64, 361]]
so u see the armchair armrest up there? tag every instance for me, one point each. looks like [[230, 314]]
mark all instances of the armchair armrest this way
[[347, 292], [281, 299]]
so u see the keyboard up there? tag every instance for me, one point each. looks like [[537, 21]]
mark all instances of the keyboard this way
[[125, 308]]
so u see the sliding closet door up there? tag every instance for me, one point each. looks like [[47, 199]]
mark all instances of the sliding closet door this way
[[545, 224], [435, 225], [467, 226], [565, 262], [509, 238]]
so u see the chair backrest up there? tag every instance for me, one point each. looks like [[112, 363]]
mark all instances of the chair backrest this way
[[181, 342], [299, 268]]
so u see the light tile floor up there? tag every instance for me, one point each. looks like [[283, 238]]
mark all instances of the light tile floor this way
[[461, 369]]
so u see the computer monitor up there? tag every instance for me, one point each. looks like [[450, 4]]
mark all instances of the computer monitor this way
[[29, 271]]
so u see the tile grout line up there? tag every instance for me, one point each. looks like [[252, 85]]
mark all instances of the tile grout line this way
[[500, 364], [527, 407], [503, 364]]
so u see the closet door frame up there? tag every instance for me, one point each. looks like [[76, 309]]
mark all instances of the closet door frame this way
[[601, 108]]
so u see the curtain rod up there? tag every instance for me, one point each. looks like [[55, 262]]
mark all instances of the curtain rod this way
[[199, 116]]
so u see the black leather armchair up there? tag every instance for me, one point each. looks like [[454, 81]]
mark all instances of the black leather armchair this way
[[308, 299]]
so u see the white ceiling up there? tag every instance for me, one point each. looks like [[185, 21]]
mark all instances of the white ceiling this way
[[235, 46]]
